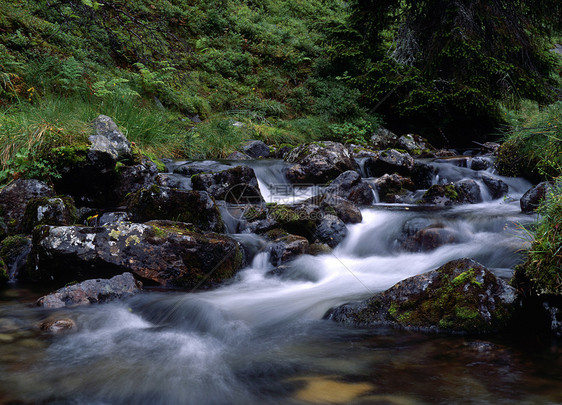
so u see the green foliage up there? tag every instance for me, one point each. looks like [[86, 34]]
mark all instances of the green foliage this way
[[544, 261]]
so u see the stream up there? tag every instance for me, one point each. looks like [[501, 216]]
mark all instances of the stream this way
[[261, 339]]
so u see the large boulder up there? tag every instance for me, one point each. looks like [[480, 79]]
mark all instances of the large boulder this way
[[350, 186], [497, 187], [534, 196], [256, 149], [48, 211], [383, 138], [460, 296], [319, 162], [196, 207], [237, 185], [107, 142], [165, 253], [14, 199], [286, 247], [392, 186], [131, 179], [92, 292], [389, 161], [460, 192]]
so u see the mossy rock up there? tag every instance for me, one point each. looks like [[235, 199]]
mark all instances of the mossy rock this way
[[3, 273], [49, 211]]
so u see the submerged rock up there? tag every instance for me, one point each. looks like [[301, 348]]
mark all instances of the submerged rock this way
[[91, 292], [166, 253], [319, 162], [460, 296], [57, 326]]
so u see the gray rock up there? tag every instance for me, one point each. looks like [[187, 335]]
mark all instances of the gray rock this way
[[108, 140], [287, 248], [48, 211], [133, 178], [430, 238], [238, 156], [163, 253], [469, 191], [256, 149], [14, 199], [392, 185], [237, 185], [91, 292], [479, 163], [383, 139], [460, 296], [460, 192], [319, 163], [350, 186], [331, 230], [389, 161], [497, 187], [422, 175], [534, 196]]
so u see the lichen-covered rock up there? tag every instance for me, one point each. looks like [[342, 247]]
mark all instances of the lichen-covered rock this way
[[237, 185], [165, 253], [534, 196], [384, 139], [392, 185], [13, 253], [256, 149], [389, 161], [92, 292], [319, 163], [108, 143], [133, 178], [460, 192], [415, 145], [497, 187], [14, 199], [48, 211], [350, 186], [460, 296], [196, 207]]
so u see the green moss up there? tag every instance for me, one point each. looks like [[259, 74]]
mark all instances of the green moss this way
[[276, 233], [70, 156], [154, 159], [451, 192], [468, 276]]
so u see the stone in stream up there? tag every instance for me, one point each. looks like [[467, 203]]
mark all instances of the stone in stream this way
[[92, 292], [479, 163], [350, 186], [164, 253], [430, 238], [497, 187], [13, 254], [391, 186], [196, 207], [285, 247], [460, 296], [256, 149], [534, 196], [319, 162], [389, 161], [460, 192], [14, 199], [237, 185]]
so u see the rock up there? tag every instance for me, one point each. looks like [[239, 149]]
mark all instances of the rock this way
[[430, 238], [256, 149], [13, 253], [113, 218], [422, 175], [283, 150], [384, 139], [342, 208], [479, 163], [57, 326], [392, 185], [460, 296], [389, 161], [331, 230], [48, 211], [350, 186], [92, 292], [238, 156], [206, 166], [319, 162], [317, 249], [108, 143], [489, 148], [534, 196], [196, 207], [237, 185], [497, 188], [133, 178], [460, 192], [14, 198], [164, 253], [286, 248], [415, 145]]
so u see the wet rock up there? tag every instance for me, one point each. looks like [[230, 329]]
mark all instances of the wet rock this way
[[256, 149], [14, 198], [392, 185], [206, 166], [415, 145], [92, 292], [196, 207], [57, 326], [165, 253], [237, 185], [534, 196], [497, 187], [13, 253], [479, 163], [383, 139], [286, 248], [238, 156], [461, 192], [48, 211], [133, 178], [317, 249], [350, 186], [489, 148], [422, 175], [331, 230], [389, 161], [430, 238], [319, 162], [460, 296], [340, 207]]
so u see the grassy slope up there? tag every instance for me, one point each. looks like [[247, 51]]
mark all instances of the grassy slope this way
[[154, 64]]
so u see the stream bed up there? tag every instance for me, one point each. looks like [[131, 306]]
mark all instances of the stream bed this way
[[261, 339]]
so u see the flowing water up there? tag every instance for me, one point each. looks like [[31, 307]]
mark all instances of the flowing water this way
[[261, 339]]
